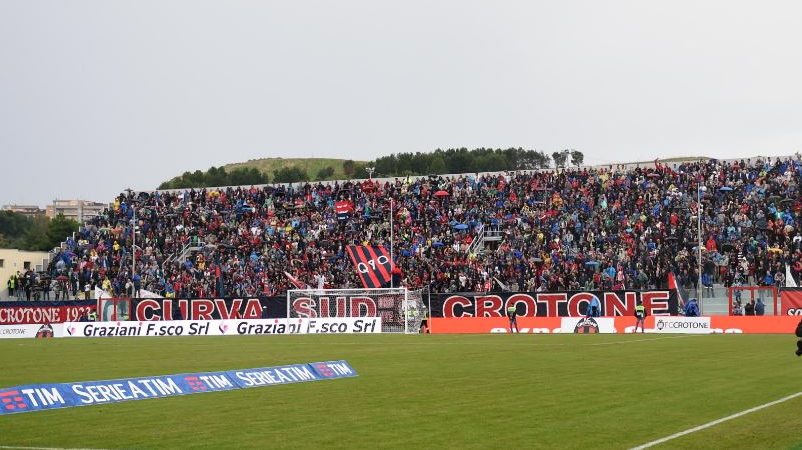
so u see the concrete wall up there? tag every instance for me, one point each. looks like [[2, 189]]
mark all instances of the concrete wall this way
[[13, 261]]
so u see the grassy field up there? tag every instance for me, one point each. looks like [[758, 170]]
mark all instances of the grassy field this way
[[311, 165], [468, 391]]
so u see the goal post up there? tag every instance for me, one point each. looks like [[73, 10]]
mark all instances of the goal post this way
[[401, 310], [768, 295]]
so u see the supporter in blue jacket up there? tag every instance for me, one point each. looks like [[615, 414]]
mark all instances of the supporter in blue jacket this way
[[760, 307], [594, 308], [691, 308]]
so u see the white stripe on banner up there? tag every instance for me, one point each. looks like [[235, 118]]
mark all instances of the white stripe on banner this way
[[789, 277], [716, 422]]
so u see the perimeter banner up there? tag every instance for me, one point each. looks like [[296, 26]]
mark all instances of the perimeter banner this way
[[625, 325], [231, 327], [791, 301], [21, 312], [208, 308], [251, 308], [29, 331], [553, 304], [39, 397], [472, 304]]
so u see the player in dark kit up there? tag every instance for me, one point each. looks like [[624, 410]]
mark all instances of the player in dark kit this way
[[512, 313], [799, 342], [640, 315]]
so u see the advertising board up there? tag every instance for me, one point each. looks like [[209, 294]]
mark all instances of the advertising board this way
[[549, 325], [30, 331], [38, 397], [230, 327]]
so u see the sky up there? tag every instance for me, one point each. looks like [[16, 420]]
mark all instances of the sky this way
[[99, 96]]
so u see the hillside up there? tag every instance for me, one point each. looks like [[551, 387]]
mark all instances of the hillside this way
[[452, 160], [311, 166], [265, 170]]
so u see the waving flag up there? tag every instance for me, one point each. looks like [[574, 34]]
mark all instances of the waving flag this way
[[372, 263], [672, 284], [295, 282]]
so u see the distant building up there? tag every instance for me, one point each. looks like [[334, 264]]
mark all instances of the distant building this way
[[77, 210], [28, 210], [13, 261]]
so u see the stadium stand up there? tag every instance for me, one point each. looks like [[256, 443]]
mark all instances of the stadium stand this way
[[593, 228]]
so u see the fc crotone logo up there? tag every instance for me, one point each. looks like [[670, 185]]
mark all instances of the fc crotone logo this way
[[45, 331], [586, 326]]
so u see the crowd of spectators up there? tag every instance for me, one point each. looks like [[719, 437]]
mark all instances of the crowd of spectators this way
[[597, 228]]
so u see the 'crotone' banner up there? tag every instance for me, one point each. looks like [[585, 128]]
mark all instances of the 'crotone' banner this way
[[658, 302], [372, 263]]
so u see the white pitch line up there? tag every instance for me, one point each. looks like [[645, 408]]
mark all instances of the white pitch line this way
[[45, 448], [716, 422], [645, 339], [506, 344]]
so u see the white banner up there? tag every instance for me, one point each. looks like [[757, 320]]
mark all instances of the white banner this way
[[587, 325], [691, 325], [789, 277], [30, 331], [230, 327]]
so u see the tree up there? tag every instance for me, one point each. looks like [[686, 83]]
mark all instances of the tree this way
[[325, 173], [36, 236], [577, 158], [290, 174], [348, 168], [492, 162], [560, 158], [58, 229], [437, 165], [245, 176], [460, 161], [359, 170]]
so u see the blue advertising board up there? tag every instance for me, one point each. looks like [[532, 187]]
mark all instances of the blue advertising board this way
[[38, 397]]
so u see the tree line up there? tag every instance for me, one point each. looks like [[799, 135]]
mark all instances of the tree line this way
[[38, 233], [217, 176], [452, 160]]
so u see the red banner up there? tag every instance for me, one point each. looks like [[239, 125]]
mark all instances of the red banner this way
[[13, 313], [791, 301], [343, 208], [548, 325], [553, 304]]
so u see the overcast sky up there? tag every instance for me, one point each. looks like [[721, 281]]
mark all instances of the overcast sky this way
[[97, 96]]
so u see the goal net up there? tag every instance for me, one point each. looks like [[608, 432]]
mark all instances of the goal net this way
[[113, 309], [401, 310]]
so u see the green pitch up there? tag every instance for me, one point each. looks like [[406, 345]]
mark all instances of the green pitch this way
[[489, 391]]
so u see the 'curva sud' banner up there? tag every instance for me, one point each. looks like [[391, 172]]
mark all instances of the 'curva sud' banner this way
[[553, 304]]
